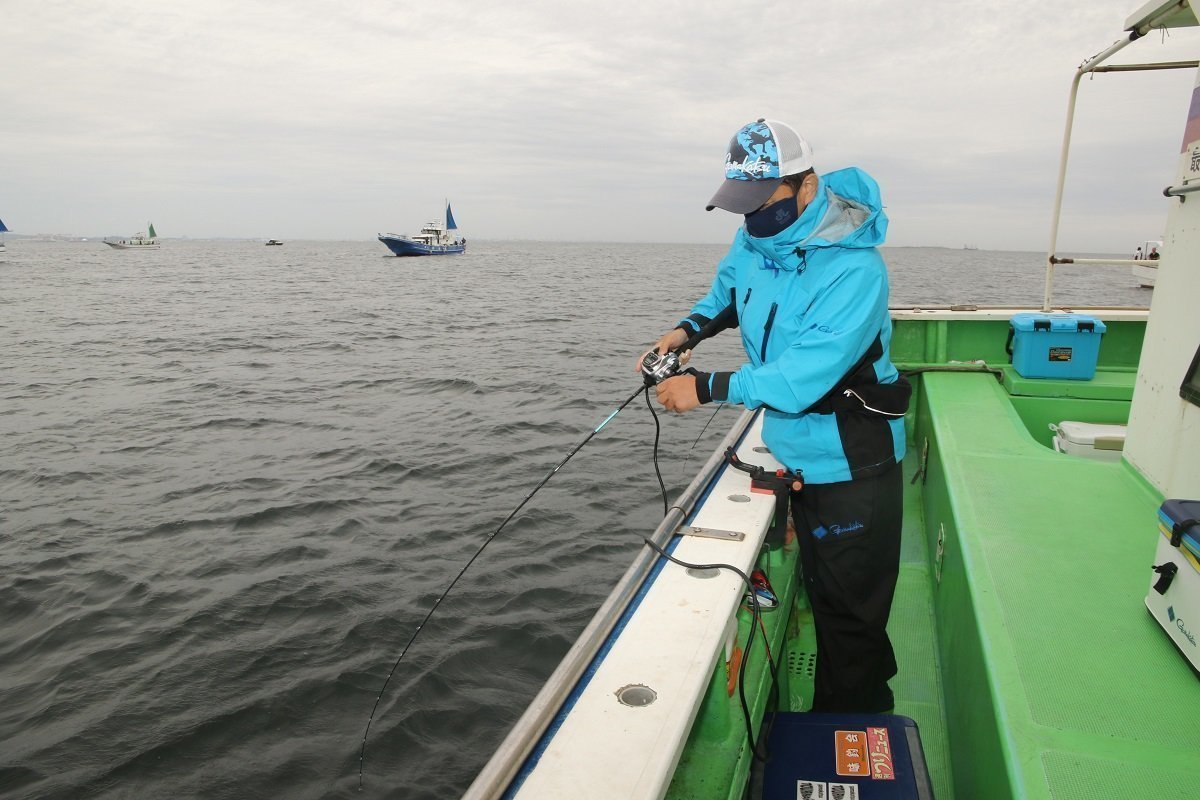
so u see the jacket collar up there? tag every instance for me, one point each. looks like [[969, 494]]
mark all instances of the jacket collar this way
[[781, 250]]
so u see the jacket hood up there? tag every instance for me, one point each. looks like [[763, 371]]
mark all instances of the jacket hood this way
[[846, 212]]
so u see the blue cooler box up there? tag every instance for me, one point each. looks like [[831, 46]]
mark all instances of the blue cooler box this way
[[1055, 345], [845, 757]]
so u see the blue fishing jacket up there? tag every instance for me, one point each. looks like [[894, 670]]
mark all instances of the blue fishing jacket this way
[[812, 306]]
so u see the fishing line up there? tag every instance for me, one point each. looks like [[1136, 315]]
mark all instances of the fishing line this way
[[671, 367], [363, 750], [699, 436]]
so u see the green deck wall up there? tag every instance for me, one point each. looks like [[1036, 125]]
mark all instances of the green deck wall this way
[[1057, 683]]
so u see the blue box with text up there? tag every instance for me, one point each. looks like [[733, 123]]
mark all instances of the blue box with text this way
[[1055, 345], [844, 757]]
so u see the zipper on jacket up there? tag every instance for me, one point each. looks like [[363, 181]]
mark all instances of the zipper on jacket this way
[[767, 331], [746, 299]]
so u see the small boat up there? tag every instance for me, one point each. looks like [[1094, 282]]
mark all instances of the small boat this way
[[274, 243], [3, 229], [1026, 654], [1145, 262], [139, 241], [436, 238]]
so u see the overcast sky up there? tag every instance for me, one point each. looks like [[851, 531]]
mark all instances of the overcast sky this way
[[573, 121]]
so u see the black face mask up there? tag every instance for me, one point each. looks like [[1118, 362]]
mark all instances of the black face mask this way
[[773, 219]]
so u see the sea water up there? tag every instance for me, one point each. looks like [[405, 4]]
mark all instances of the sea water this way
[[234, 479]]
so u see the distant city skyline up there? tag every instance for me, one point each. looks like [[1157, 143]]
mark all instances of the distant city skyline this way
[[563, 123]]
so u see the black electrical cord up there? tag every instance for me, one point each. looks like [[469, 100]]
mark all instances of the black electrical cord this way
[[755, 613], [363, 750], [996, 372], [657, 472], [764, 733], [755, 607]]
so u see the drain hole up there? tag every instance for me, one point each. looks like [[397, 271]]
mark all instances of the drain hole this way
[[636, 695], [739, 498], [703, 574]]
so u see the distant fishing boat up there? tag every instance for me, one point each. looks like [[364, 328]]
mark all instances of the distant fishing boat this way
[[1145, 262], [3, 229], [436, 238], [139, 241], [273, 243]]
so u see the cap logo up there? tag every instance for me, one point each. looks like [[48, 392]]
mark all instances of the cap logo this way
[[752, 154]]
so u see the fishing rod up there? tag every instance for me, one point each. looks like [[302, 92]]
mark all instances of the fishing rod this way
[[655, 368], [363, 750]]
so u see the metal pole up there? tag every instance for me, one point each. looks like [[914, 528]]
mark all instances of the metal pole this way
[[1116, 262], [1090, 65], [1148, 67], [1062, 161]]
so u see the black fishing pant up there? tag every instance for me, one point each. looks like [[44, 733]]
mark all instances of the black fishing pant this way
[[849, 538]]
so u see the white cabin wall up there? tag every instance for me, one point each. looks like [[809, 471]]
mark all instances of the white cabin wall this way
[[1163, 440]]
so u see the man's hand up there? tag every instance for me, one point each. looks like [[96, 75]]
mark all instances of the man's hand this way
[[668, 341], [678, 394]]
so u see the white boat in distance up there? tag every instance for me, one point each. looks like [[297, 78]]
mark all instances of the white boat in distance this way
[[139, 241], [1145, 264]]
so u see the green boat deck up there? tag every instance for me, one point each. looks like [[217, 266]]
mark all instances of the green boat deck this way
[[1056, 681], [1026, 655], [913, 630]]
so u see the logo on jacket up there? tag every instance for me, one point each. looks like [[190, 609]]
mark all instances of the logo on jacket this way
[[837, 530]]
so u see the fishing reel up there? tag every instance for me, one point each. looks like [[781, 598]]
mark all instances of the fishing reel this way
[[657, 367]]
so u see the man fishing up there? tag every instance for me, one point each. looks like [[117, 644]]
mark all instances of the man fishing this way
[[810, 291]]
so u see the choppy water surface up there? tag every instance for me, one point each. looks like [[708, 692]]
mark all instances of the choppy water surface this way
[[234, 478]]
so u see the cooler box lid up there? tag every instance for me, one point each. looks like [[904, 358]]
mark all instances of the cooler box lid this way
[[1092, 434], [1056, 323], [1181, 518], [845, 757]]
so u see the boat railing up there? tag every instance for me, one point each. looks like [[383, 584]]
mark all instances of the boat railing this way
[[495, 777], [1155, 19], [1117, 262], [1181, 191]]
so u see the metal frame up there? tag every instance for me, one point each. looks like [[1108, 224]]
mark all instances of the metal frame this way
[[1093, 64]]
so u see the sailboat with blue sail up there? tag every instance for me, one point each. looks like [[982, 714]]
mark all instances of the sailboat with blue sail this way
[[437, 238], [3, 229]]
